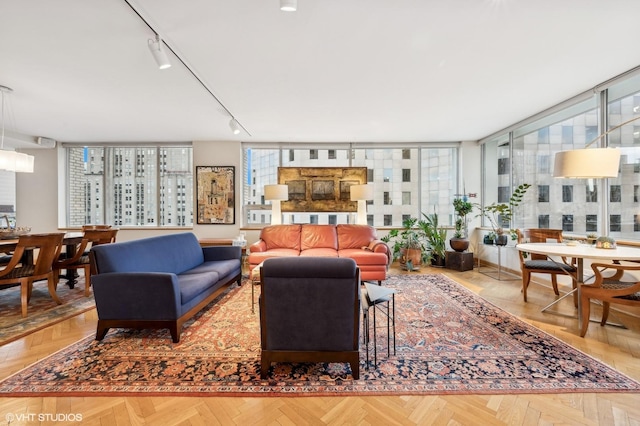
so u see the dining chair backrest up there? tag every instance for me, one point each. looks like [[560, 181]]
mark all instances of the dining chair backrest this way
[[101, 236], [89, 227], [90, 238], [48, 249], [539, 235]]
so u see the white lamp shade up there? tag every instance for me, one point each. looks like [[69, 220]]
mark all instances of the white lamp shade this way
[[587, 163], [288, 5], [24, 163], [361, 192], [13, 161], [276, 192], [8, 160]]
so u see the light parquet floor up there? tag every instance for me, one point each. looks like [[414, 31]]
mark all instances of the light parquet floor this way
[[615, 346]]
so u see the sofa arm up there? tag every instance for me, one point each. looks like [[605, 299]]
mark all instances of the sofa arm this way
[[222, 253], [137, 295], [258, 246], [379, 246]]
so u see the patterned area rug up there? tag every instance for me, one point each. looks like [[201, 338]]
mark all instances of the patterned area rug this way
[[449, 341], [42, 311]]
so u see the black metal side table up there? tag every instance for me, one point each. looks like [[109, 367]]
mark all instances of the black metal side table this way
[[382, 299]]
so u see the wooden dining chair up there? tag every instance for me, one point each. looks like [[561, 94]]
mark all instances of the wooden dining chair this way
[[21, 273], [608, 289], [91, 227], [79, 258], [531, 263]]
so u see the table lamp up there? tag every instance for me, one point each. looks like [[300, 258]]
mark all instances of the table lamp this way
[[275, 194], [361, 193]]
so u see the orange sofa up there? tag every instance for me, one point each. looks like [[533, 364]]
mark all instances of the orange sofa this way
[[357, 242]]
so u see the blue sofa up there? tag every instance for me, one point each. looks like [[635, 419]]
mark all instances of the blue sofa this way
[[159, 282]]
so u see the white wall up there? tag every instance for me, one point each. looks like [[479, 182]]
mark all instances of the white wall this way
[[37, 193]]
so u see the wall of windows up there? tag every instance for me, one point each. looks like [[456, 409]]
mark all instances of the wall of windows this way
[[525, 154], [130, 186], [407, 181]]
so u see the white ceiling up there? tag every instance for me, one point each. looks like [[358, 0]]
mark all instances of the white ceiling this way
[[334, 71]]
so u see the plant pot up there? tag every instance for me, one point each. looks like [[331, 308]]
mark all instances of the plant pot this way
[[459, 244], [414, 255], [437, 261], [487, 240], [502, 240]]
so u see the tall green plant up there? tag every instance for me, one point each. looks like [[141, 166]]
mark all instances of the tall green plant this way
[[462, 207], [436, 237], [502, 213]]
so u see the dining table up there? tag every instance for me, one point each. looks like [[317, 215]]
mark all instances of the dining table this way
[[579, 252], [70, 241]]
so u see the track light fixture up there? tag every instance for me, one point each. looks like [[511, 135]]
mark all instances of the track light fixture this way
[[155, 46], [288, 5], [235, 126]]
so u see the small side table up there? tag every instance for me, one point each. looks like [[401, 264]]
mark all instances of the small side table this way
[[255, 280], [383, 299]]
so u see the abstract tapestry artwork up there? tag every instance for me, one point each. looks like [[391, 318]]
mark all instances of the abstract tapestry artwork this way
[[216, 195], [320, 189]]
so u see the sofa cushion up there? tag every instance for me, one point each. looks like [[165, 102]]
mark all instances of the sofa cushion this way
[[318, 236], [281, 236], [319, 252], [192, 285], [364, 257], [222, 267], [173, 253], [355, 236], [258, 257]]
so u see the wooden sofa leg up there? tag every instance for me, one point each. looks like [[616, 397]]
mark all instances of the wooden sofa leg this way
[[101, 331], [355, 369], [175, 332], [265, 363]]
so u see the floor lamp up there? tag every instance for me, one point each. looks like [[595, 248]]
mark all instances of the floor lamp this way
[[590, 163], [275, 194], [361, 193]]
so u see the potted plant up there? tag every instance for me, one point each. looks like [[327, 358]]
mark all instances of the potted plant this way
[[406, 244], [460, 241], [490, 238], [435, 238], [500, 214]]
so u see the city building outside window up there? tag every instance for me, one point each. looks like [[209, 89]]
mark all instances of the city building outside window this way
[[543, 221], [130, 186], [591, 223], [406, 181], [543, 193], [567, 193], [615, 195]]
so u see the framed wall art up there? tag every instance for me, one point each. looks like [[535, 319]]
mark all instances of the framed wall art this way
[[320, 189], [216, 195]]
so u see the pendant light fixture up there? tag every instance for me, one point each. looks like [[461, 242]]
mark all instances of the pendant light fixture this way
[[288, 5], [159, 48], [11, 160]]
